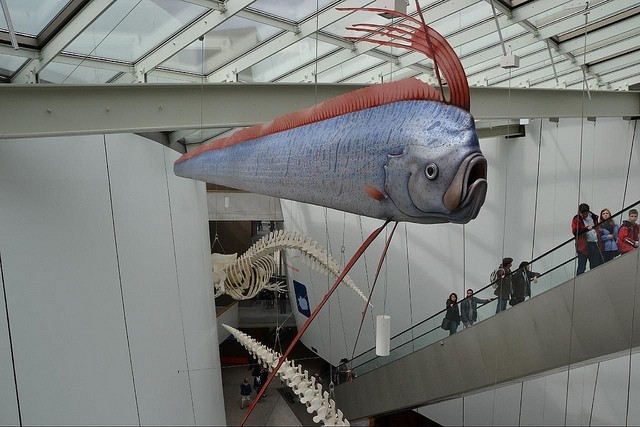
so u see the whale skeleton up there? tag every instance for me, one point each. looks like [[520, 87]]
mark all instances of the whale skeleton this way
[[244, 277], [305, 386]]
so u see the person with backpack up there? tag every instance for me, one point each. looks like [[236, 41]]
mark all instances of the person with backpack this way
[[502, 285], [583, 227], [628, 233]]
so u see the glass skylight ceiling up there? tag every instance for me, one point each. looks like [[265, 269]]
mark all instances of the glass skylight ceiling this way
[[9, 64], [130, 28], [30, 17], [228, 40], [294, 11], [275, 40]]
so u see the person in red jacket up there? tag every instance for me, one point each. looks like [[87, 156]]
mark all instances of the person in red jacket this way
[[628, 233], [582, 226]]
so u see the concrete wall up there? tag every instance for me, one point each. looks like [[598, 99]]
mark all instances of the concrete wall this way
[[107, 312]]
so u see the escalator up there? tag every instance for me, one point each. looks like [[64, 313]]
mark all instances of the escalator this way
[[573, 321]]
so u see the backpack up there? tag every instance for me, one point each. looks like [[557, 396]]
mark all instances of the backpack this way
[[495, 274]]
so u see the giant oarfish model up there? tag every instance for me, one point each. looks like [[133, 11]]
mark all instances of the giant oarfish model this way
[[396, 151]]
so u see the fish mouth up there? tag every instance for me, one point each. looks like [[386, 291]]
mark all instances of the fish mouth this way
[[468, 189]]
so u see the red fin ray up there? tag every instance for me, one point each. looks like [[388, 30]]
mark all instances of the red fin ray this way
[[431, 43]]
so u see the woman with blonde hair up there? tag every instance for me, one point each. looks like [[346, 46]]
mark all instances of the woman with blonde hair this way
[[608, 233]]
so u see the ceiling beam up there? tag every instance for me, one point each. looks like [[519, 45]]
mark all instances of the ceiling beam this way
[[92, 11], [60, 110]]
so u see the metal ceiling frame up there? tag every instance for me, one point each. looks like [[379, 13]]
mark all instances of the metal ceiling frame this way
[[92, 11], [607, 17], [44, 110]]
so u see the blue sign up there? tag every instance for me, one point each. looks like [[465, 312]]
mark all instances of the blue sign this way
[[302, 298]]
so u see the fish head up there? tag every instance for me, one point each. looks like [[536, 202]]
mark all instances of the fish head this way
[[440, 176]]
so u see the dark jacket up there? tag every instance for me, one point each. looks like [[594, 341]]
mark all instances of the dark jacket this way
[[245, 389], [521, 283], [504, 289], [453, 311], [469, 308], [579, 229]]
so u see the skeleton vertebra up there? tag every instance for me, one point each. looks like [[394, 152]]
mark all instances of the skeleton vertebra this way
[[306, 387], [245, 277]]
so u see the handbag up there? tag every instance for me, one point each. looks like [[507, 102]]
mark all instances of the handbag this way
[[446, 324]]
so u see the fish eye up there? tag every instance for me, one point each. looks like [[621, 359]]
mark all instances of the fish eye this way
[[432, 171]]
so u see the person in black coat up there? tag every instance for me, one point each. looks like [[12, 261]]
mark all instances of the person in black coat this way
[[521, 283], [453, 313]]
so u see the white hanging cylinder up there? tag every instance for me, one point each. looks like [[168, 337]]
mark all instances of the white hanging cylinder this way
[[383, 334]]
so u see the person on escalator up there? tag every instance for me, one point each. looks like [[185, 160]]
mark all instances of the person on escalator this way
[[453, 313], [503, 284], [608, 234], [628, 233], [345, 373], [582, 226], [521, 281], [469, 308]]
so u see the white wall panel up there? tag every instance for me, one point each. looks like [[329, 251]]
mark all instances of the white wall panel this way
[[193, 259], [582, 382], [149, 279], [8, 402], [62, 283], [610, 402], [98, 303], [543, 399]]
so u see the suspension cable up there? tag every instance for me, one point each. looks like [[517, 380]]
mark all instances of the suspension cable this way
[[406, 240], [633, 139], [535, 206], [573, 293], [375, 280]]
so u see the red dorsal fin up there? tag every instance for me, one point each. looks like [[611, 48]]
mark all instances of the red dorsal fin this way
[[372, 96], [411, 35]]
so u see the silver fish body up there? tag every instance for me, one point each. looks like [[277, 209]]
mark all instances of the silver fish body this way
[[416, 161]]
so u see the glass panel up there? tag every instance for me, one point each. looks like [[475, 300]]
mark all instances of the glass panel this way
[[9, 64], [32, 16], [545, 272], [339, 28], [295, 11], [462, 19], [56, 72], [129, 29], [286, 60], [348, 68], [411, 8], [227, 41], [3, 22], [491, 39], [532, 48]]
